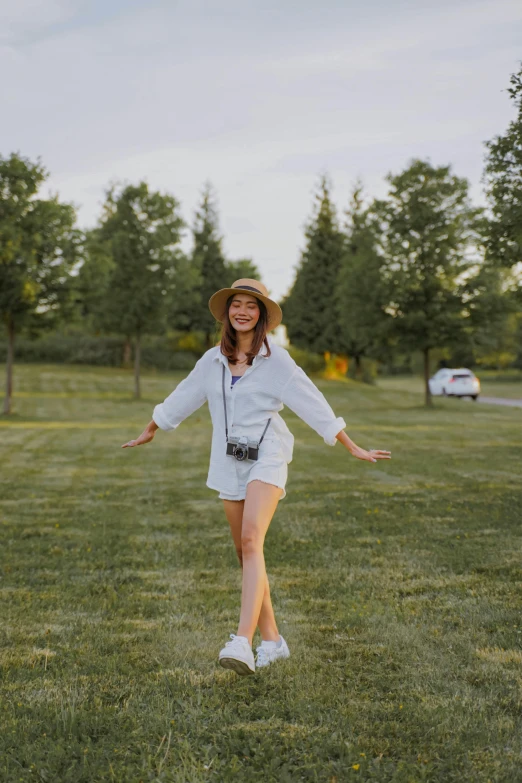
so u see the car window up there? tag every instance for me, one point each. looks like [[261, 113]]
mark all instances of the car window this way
[[457, 375]]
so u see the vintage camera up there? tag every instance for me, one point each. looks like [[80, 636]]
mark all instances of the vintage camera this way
[[243, 448]]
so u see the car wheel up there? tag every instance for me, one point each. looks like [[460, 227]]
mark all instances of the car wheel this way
[[474, 397]]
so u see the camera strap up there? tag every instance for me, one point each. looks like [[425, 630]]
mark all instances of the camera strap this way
[[225, 409]]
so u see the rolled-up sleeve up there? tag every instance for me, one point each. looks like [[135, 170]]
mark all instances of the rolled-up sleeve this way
[[187, 397], [303, 397]]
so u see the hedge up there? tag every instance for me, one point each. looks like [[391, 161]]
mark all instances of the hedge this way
[[177, 351], [156, 352]]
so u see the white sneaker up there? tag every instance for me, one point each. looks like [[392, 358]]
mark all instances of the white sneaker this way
[[237, 655], [267, 654]]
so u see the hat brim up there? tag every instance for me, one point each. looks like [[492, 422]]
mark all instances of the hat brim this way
[[218, 302]]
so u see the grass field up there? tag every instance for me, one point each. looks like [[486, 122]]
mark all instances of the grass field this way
[[396, 585]]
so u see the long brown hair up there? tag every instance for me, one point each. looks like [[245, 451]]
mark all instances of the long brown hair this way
[[229, 335]]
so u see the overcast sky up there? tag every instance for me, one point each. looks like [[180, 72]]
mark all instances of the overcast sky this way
[[257, 97]]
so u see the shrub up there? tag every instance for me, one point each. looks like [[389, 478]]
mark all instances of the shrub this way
[[69, 349], [310, 362], [160, 353], [369, 370]]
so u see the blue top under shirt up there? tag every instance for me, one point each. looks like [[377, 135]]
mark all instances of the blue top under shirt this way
[[235, 378]]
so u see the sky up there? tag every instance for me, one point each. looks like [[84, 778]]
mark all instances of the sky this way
[[259, 98]]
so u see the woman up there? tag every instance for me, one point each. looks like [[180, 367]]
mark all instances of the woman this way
[[247, 380]]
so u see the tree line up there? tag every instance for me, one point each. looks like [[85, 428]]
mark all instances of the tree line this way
[[128, 275], [412, 272], [420, 269]]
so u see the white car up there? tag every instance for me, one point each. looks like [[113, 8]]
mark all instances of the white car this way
[[455, 383]]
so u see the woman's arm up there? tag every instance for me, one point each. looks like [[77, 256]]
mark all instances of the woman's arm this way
[[303, 397], [188, 396]]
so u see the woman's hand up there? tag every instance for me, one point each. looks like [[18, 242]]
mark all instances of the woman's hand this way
[[146, 436], [370, 456]]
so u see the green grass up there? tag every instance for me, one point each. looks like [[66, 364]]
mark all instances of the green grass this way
[[396, 585]]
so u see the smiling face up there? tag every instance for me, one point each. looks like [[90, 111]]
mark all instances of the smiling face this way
[[244, 312]]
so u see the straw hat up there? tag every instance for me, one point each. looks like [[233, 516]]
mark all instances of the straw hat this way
[[218, 301]]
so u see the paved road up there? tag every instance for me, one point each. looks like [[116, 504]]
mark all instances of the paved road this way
[[501, 401]]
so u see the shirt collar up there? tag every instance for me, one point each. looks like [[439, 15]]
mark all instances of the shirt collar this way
[[261, 355]]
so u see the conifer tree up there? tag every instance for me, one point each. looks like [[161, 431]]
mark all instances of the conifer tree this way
[[243, 267], [194, 278], [310, 307], [209, 261], [361, 295]]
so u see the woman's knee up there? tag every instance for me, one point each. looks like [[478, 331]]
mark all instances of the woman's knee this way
[[251, 540]]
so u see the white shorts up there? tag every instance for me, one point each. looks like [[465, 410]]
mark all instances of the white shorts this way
[[271, 470]]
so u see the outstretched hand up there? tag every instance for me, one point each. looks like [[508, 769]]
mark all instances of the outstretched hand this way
[[372, 455], [145, 437]]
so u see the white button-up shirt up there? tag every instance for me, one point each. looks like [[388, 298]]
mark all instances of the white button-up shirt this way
[[267, 385]]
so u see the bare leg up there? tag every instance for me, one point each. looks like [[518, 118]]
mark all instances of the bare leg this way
[[260, 504], [266, 621]]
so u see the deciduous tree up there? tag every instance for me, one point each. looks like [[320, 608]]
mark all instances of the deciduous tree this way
[[503, 180], [429, 230], [39, 245], [140, 230]]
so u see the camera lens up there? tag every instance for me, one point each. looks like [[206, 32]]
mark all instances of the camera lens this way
[[240, 452]]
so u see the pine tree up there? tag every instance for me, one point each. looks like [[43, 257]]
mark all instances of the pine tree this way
[[243, 267], [209, 261], [310, 307], [361, 295], [196, 277]]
